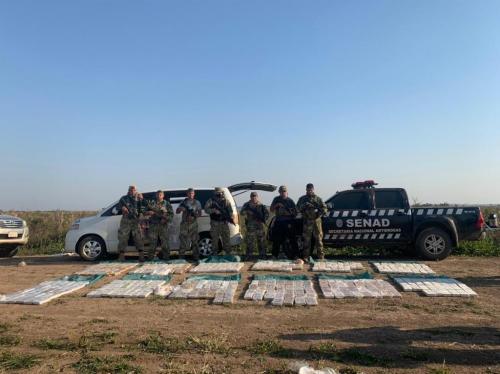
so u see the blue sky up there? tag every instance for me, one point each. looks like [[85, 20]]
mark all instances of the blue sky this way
[[95, 95]]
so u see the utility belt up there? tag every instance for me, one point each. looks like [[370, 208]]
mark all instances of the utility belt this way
[[189, 221], [218, 218]]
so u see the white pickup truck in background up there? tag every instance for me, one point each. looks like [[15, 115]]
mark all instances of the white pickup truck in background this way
[[14, 232]]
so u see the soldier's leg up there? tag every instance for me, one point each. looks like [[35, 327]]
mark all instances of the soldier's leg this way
[[184, 239], [153, 240], [194, 238], [137, 235], [307, 231], [261, 243], [215, 233], [165, 248], [250, 242], [318, 237], [292, 238], [278, 238], [226, 238], [123, 235]]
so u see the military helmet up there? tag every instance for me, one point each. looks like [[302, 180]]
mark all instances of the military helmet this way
[[218, 190], [283, 189]]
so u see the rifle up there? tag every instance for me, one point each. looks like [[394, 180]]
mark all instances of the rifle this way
[[161, 212], [287, 208], [258, 215], [133, 212], [316, 207], [189, 210], [223, 212]]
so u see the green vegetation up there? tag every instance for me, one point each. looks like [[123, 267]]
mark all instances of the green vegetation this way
[[209, 344], [61, 344], [47, 230], [487, 247], [269, 347], [94, 364], [13, 361], [9, 340], [155, 343]]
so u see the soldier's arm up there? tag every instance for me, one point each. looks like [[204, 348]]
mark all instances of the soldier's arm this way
[[122, 206], [293, 208], [274, 205], [170, 211], [324, 208], [266, 212], [244, 209], [300, 204], [208, 207], [198, 208]]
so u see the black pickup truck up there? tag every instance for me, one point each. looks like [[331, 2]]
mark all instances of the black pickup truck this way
[[382, 217]]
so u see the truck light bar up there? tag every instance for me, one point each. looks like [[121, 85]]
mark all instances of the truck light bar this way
[[365, 184]]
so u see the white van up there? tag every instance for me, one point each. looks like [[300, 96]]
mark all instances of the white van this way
[[95, 237]]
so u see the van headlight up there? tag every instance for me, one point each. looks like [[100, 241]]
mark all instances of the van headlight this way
[[25, 223]]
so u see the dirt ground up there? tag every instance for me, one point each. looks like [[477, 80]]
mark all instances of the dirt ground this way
[[414, 334]]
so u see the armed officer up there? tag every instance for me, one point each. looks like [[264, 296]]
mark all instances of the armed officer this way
[[221, 213], [312, 208], [191, 210], [131, 206], [284, 225], [160, 215], [256, 215]]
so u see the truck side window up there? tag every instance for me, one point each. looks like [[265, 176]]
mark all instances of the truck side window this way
[[389, 199], [351, 200]]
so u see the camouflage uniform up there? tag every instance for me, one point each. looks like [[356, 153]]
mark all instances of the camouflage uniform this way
[[312, 209], [158, 227], [256, 216], [189, 227], [129, 223], [284, 226], [219, 222]]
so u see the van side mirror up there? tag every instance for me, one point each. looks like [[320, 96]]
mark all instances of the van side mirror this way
[[329, 205], [114, 211]]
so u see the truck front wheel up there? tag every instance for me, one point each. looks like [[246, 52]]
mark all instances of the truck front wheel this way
[[433, 244]]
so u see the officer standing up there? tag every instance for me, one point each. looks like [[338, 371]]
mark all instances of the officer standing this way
[[312, 208], [160, 215], [221, 213], [284, 225], [131, 207], [256, 215], [191, 210]]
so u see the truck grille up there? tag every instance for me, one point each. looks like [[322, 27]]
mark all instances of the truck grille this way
[[11, 224]]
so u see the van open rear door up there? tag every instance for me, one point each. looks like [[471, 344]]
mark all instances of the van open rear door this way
[[251, 186]]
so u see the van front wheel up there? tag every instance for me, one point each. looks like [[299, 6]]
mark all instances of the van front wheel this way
[[205, 247], [92, 248]]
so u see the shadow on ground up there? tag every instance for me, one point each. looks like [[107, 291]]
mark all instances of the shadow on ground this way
[[390, 346]]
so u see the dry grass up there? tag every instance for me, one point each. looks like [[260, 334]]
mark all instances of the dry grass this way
[[47, 229]]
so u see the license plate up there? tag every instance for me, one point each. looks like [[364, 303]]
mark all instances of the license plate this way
[[12, 234]]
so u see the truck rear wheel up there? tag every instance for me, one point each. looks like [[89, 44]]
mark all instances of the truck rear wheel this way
[[433, 244]]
